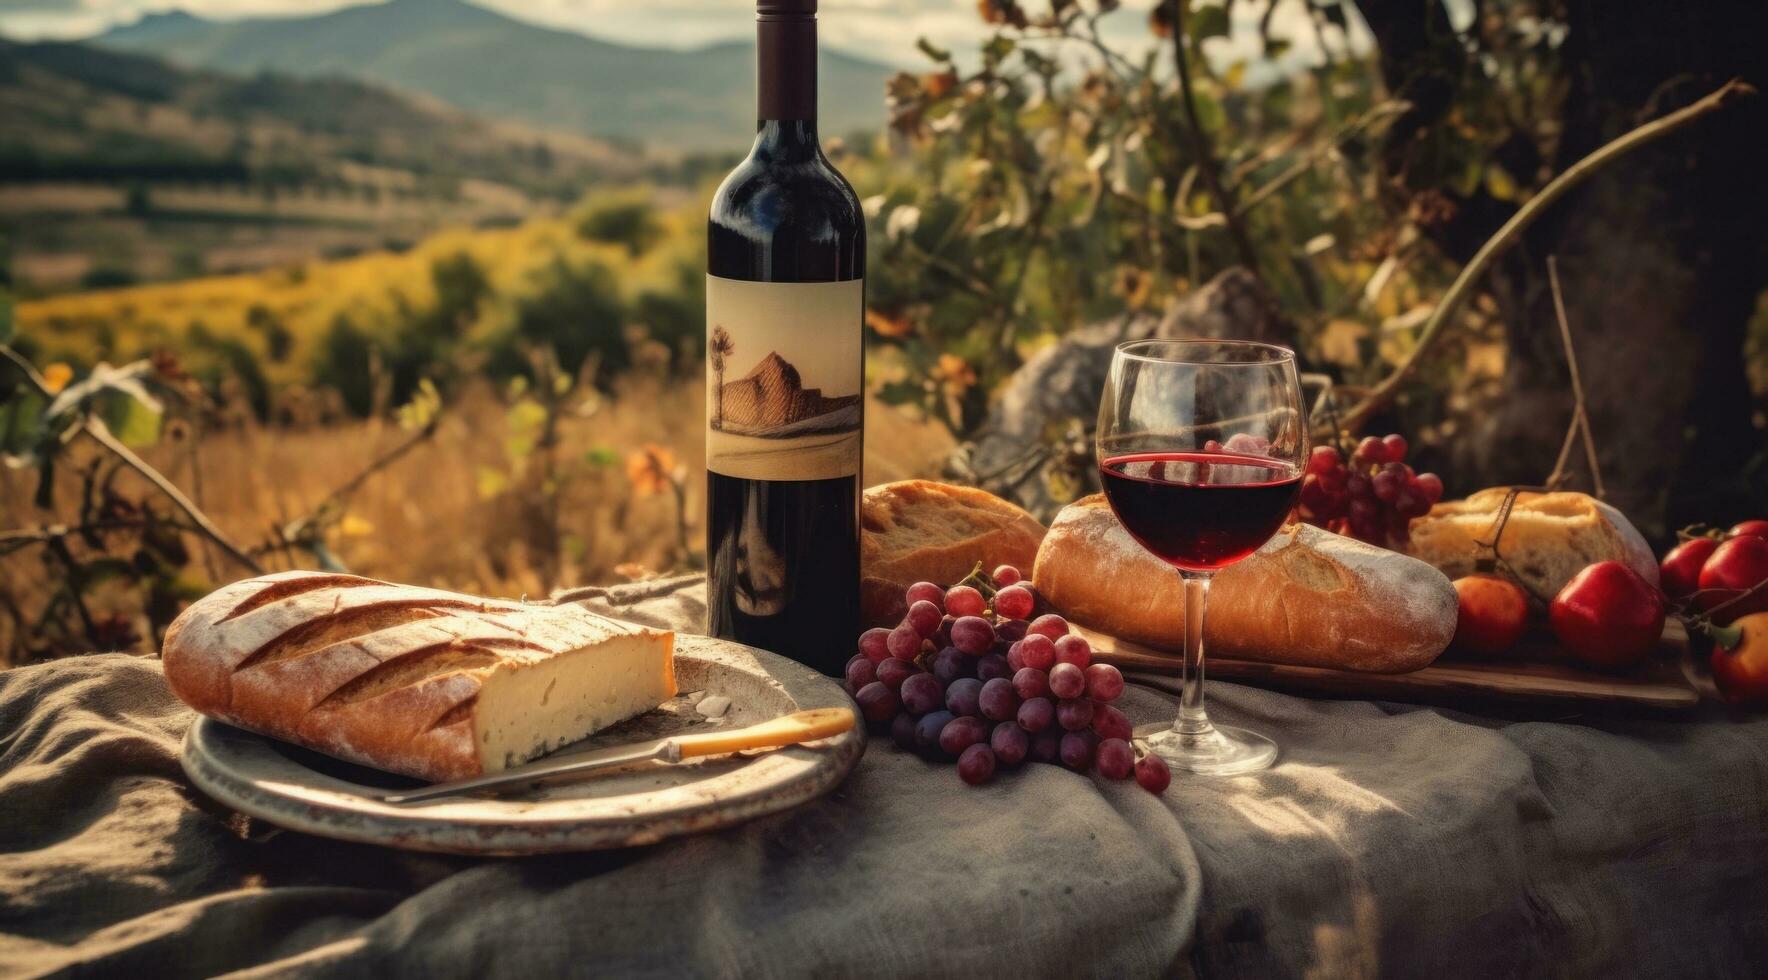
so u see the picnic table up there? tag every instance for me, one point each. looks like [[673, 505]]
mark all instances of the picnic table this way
[[1389, 839]]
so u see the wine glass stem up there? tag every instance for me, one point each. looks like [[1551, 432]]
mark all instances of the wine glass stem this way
[[1192, 719]]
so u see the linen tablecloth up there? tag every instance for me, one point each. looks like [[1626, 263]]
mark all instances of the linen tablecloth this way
[[1389, 840]]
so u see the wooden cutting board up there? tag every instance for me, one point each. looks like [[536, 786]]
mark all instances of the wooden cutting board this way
[[1541, 673]]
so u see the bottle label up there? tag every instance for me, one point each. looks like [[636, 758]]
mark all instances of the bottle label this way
[[784, 370]]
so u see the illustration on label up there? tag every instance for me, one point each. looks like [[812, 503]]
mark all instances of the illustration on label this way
[[783, 379]]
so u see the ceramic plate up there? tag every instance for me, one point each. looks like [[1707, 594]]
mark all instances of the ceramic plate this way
[[316, 794]]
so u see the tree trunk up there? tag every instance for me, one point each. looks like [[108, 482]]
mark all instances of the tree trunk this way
[[1661, 256]]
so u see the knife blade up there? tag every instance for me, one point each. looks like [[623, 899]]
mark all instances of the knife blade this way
[[800, 726]]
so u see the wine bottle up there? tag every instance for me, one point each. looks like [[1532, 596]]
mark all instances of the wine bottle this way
[[785, 301]]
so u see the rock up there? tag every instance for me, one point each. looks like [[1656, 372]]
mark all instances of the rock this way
[[1039, 430]]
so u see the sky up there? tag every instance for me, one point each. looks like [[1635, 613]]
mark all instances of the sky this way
[[885, 30]]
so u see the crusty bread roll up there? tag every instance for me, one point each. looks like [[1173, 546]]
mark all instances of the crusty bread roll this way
[[1308, 597], [432, 684], [1549, 538], [921, 531]]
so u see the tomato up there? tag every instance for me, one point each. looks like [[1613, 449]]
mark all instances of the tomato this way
[[1679, 575], [1749, 529], [1492, 616], [1741, 670], [1608, 615], [1736, 565]]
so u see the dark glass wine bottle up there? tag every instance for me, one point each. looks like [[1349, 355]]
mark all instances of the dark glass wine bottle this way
[[785, 412]]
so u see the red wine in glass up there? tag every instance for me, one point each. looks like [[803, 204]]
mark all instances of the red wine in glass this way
[[1200, 511]]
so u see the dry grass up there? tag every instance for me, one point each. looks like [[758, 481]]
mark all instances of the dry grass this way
[[436, 517]]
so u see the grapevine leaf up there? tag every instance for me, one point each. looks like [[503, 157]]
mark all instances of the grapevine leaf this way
[[601, 457], [134, 422], [22, 429], [933, 51], [1208, 22]]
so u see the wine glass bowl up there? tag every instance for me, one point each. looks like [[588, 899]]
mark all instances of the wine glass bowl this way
[[1202, 445]]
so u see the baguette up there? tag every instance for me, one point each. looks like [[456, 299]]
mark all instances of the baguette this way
[[921, 531], [432, 684], [1308, 597], [1549, 537]]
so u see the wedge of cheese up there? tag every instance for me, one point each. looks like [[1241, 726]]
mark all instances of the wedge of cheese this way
[[436, 685]]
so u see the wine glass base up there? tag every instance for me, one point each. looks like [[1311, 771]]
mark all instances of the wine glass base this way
[[1219, 751]]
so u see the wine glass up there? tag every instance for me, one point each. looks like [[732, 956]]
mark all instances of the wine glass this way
[[1202, 444]]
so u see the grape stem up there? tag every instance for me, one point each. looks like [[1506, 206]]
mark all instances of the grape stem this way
[[1436, 328]]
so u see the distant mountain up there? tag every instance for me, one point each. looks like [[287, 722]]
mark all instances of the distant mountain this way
[[480, 60], [771, 401], [75, 112]]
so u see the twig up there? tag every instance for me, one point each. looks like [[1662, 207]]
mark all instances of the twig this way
[[1580, 410], [1206, 162], [1462, 288], [102, 435]]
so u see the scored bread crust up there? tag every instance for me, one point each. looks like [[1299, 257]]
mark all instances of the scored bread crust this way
[[1549, 538], [1308, 597], [381, 674], [923, 531]]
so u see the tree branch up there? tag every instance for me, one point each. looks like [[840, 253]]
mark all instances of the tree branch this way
[[1462, 288], [1206, 162]]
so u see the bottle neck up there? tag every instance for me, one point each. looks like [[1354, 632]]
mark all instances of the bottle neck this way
[[786, 49]]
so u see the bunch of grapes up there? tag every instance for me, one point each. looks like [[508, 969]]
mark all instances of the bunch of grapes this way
[[1373, 497], [975, 678]]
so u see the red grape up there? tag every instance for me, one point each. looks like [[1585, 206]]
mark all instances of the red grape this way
[[1357, 487], [1050, 625], [1010, 743], [963, 697], [997, 700], [1432, 485], [1075, 715], [1045, 747], [1109, 722], [961, 733], [860, 672], [1116, 759], [925, 592], [1011, 630], [902, 732], [1387, 486], [1324, 459], [973, 635], [877, 702], [962, 600], [924, 618], [1370, 450], [1395, 445], [1334, 480], [1077, 750], [894, 671], [1014, 602], [992, 666], [921, 693], [1037, 651], [1074, 650], [1015, 657], [1067, 681], [928, 729], [1313, 494], [1104, 682], [977, 765], [1036, 714], [949, 665], [904, 642], [1409, 504], [1005, 575], [1030, 682], [874, 644], [1152, 773]]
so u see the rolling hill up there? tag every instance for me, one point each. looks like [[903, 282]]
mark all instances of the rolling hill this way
[[480, 60]]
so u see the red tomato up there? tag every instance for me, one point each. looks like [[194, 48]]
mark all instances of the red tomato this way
[[1679, 574], [1749, 529], [1607, 616], [1735, 566], [1492, 616]]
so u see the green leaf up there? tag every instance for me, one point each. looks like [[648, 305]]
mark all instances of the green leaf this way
[[933, 51], [997, 48], [135, 423], [490, 482], [1208, 21], [421, 410], [130, 380], [601, 457], [6, 326], [22, 428], [525, 420]]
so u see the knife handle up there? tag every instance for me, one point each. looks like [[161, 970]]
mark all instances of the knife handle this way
[[799, 726]]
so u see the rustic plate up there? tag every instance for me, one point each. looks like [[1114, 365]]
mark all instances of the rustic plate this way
[[316, 794]]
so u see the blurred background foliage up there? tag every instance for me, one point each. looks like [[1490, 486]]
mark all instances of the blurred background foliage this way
[[470, 352]]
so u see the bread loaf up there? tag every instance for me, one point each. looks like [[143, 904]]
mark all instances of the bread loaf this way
[[1549, 537], [921, 531], [1308, 597], [432, 684]]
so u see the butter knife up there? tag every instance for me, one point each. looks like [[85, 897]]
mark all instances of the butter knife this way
[[799, 726]]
